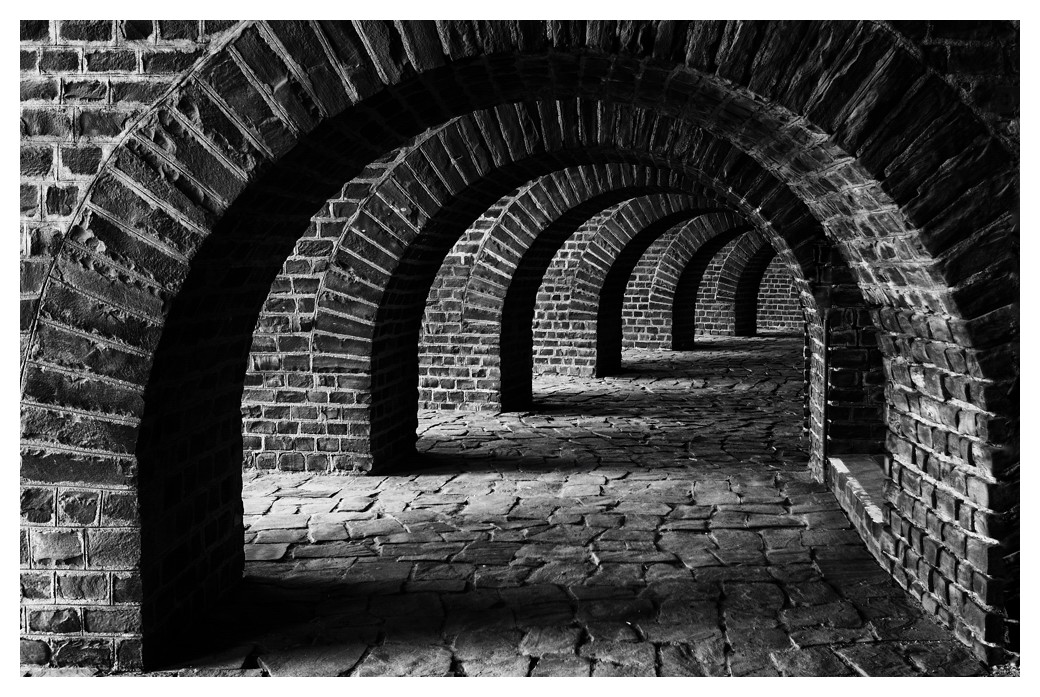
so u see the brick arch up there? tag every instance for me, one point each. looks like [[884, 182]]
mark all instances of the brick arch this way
[[649, 297], [339, 342], [374, 355], [420, 50], [206, 195], [713, 312], [341, 407], [573, 335], [542, 214], [734, 290], [746, 291], [684, 298]]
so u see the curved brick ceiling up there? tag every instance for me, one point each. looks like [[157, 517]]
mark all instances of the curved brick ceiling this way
[[209, 191]]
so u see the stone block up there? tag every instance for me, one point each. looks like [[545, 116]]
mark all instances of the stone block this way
[[78, 508], [34, 29], [37, 586], [56, 548], [126, 588], [112, 621], [113, 549], [37, 505], [34, 652], [86, 30], [119, 509], [82, 652], [55, 621]]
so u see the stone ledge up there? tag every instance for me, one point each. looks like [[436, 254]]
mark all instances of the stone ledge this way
[[857, 481]]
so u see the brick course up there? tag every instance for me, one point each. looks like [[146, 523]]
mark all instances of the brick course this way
[[152, 186], [777, 306]]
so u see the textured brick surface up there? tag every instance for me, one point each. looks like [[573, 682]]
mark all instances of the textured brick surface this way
[[777, 306], [169, 169], [532, 544]]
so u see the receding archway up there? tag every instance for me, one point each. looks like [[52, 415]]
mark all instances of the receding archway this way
[[185, 227]]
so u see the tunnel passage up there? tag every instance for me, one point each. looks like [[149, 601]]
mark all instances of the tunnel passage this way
[[579, 312], [510, 248], [144, 293], [773, 304], [621, 528], [728, 301]]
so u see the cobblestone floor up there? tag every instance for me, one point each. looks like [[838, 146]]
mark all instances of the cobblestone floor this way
[[659, 522]]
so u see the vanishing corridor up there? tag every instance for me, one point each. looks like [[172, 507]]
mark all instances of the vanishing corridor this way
[[284, 284], [658, 522]]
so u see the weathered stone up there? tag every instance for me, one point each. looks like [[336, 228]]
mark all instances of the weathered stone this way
[[405, 660], [33, 651], [112, 621], [276, 522], [552, 640], [57, 548], [37, 505], [814, 661], [704, 657], [278, 536], [623, 653], [56, 621], [322, 661], [562, 667], [834, 614], [941, 659], [79, 587], [82, 653], [332, 549], [876, 660], [612, 670], [497, 667], [36, 586], [265, 552]]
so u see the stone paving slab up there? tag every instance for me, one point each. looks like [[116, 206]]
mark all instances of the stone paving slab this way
[[657, 522]]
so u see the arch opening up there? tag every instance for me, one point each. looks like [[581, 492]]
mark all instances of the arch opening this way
[[207, 195]]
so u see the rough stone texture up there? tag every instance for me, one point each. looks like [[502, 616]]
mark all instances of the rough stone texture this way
[[82, 85], [895, 143], [592, 535]]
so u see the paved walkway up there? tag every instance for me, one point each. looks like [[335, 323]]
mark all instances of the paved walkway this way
[[660, 522]]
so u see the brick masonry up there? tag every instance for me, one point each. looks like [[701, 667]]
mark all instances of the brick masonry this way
[[777, 307], [572, 300], [745, 289], [895, 142]]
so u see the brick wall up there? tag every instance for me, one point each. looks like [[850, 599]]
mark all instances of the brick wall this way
[[247, 149], [651, 306], [455, 371], [83, 85], [738, 296], [778, 307], [647, 321], [578, 326], [557, 341], [713, 316]]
